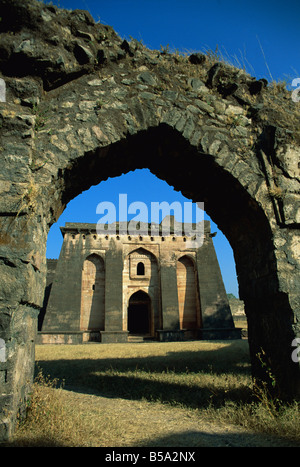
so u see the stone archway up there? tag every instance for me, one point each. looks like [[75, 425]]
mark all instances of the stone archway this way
[[83, 105]]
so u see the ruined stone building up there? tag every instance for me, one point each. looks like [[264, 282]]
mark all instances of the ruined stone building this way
[[108, 287]]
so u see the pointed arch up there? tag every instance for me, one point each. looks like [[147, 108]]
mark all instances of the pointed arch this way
[[142, 263], [143, 250], [189, 310], [139, 313], [92, 311]]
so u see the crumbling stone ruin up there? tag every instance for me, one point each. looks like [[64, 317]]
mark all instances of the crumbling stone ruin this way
[[81, 105]]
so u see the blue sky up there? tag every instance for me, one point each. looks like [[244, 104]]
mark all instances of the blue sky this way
[[262, 36]]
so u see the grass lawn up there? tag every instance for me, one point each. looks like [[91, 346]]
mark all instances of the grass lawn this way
[[137, 394]]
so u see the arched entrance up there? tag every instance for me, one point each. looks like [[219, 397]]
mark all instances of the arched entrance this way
[[233, 199], [139, 313]]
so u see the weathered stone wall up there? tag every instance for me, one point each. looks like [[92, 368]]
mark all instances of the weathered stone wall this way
[[51, 269], [83, 105], [237, 307]]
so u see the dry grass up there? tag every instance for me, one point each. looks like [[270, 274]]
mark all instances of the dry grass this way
[[151, 394]]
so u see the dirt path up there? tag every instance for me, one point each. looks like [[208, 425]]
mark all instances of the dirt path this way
[[142, 423]]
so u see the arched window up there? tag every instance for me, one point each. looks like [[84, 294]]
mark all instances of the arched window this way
[[140, 270]]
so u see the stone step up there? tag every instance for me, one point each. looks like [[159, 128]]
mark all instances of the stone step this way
[[135, 338], [138, 338]]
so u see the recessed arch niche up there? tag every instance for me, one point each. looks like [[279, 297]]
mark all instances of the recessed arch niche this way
[[92, 313]]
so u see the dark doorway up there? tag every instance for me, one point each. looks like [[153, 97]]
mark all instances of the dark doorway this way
[[139, 308]]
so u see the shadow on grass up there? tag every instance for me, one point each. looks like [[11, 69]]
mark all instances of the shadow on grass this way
[[203, 439], [179, 378], [188, 439], [44, 442]]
